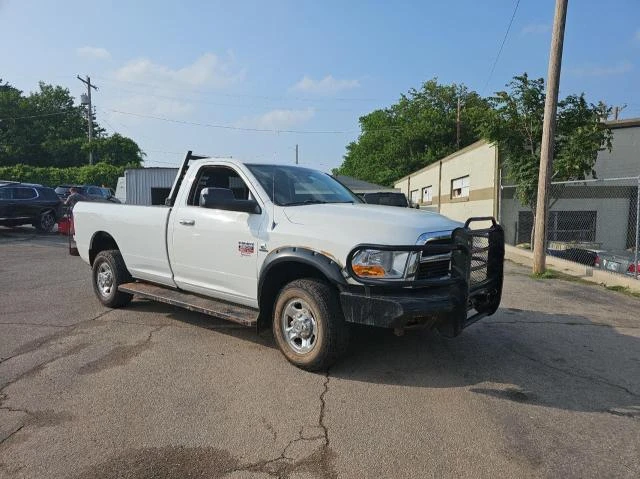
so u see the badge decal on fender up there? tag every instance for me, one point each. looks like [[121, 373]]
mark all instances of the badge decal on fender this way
[[245, 248]]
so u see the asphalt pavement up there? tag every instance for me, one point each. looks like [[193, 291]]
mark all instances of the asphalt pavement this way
[[547, 387]]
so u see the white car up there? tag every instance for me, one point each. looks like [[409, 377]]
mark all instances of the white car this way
[[290, 247]]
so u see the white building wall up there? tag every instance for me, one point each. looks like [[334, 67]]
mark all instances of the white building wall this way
[[624, 158], [479, 162]]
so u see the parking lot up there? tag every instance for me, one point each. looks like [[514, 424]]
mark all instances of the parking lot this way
[[547, 387]]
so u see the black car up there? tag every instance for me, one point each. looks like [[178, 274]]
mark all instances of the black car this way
[[25, 203], [391, 198]]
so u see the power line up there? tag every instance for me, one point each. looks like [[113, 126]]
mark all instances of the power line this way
[[237, 95], [228, 105], [506, 34], [239, 128], [42, 115]]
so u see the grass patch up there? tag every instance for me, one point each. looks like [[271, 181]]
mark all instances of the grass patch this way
[[623, 290], [546, 274]]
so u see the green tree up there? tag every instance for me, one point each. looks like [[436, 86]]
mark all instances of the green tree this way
[[46, 128], [412, 133], [117, 150], [515, 124]]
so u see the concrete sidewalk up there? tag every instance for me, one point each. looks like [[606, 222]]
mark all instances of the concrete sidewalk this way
[[581, 271]]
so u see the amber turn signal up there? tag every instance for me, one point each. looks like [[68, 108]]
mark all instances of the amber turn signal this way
[[368, 271]]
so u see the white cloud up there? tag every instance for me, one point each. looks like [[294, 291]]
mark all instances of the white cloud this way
[[93, 52], [161, 87], [277, 119], [535, 28], [153, 106], [206, 71], [326, 86], [602, 71]]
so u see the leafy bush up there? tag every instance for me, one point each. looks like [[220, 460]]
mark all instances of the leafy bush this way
[[98, 174]]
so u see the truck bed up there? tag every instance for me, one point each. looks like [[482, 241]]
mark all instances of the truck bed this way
[[139, 231]]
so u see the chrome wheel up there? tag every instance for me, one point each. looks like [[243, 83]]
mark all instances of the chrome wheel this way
[[299, 326], [104, 279]]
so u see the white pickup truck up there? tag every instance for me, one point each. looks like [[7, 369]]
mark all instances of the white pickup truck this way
[[291, 248]]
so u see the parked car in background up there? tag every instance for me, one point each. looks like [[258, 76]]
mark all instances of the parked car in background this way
[[391, 198], [618, 262], [584, 256], [26, 203], [91, 192]]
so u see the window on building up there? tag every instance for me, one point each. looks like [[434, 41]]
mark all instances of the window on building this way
[[563, 226], [415, 196], [460, 187], [427, 194]]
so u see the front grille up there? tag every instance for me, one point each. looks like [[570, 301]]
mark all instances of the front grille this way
[[434, 269], [435, 265]]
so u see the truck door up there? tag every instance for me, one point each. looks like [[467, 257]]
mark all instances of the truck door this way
[[215, 252]]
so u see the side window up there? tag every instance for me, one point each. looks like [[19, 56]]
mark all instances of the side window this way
[[6, 193], [24, 193], [218, 177]]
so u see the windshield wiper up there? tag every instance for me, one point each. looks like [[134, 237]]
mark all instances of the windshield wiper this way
[[306, 202]]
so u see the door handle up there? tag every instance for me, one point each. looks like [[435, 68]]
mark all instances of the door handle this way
[[188, 222]]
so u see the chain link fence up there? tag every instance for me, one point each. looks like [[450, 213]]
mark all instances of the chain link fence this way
[[591, 222]]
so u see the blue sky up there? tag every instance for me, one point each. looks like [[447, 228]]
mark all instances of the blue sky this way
[[303, 66]]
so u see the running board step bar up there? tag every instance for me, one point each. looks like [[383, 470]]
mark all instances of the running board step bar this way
[[219, 309]]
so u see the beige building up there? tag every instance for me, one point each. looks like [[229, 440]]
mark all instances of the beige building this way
[[602, 213], [462, 185]]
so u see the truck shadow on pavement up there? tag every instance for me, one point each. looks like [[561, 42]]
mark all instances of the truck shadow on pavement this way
[[560, 361]]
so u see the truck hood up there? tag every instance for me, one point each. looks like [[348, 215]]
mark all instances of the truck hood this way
[[364, 223]]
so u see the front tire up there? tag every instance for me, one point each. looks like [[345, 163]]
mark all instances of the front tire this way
[[109, 272], [308, 324], [45, 222]]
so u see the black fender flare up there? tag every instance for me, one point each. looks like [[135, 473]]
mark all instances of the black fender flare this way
[[331, 269]]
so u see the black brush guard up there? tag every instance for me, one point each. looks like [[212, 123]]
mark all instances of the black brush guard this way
[[471, 290]]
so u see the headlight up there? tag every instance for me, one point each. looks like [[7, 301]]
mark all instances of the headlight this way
[[371, 263]]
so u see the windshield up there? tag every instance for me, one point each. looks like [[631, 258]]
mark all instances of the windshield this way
[[298, 186]]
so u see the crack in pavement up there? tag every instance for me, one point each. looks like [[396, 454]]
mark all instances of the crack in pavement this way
[[38, 324], [119, 355], [2, 441], [38, 343], [39, 367], [319, 462], [587, 377]]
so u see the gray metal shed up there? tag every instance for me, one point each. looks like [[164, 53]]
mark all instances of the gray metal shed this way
[[148, 186]]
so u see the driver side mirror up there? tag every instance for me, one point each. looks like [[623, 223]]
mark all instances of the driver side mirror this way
[[223, 199]]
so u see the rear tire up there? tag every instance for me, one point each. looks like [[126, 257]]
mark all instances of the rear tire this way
[[45, 222], [308, 324], [109, 272]]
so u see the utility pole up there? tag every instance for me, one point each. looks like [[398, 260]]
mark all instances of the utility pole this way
[[458, 125], [548, 133], [89, 110], [296, 153], [617, 110]]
